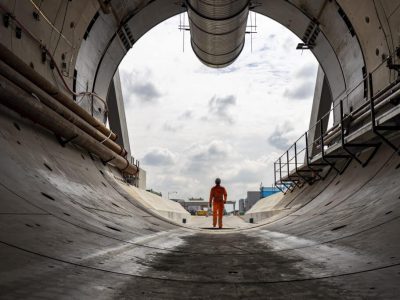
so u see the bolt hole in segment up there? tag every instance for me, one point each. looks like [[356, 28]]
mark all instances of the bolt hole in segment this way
[[339, 227], [48, 196], [17, 126], [113, 228], [48, 167]]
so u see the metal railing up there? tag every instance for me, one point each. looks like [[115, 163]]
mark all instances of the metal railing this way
[[298, 164]]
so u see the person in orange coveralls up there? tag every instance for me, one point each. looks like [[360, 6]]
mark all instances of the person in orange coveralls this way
[[218, 198]]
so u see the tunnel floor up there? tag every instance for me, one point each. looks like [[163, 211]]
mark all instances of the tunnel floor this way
[[193, 265]]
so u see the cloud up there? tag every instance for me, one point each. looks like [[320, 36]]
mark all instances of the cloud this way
[[208, 159], [283, 136], [188, 114], [146, 92], [250, 173], [172, 127], [179, 122], [307, 71], [253, 65], [226, 70], [219, 108], [302, 91], [137, 86], [159, 157], [213, 150]]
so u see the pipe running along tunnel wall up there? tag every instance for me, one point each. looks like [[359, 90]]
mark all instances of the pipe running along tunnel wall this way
[[71, 227]]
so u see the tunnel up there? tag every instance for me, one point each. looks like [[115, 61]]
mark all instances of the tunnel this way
[[75, 223]]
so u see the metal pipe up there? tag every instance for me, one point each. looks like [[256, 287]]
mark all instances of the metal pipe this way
[[378, 98], [218, 29], [16, 63], [381, 98], [382, 102], [49, 101], [30, 107]]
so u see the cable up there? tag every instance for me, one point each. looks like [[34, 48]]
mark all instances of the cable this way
[[62, 27], [53, 61], [51, 24], [106, 138]]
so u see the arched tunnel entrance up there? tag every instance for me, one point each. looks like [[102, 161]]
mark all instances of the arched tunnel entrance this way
[[73, 227]]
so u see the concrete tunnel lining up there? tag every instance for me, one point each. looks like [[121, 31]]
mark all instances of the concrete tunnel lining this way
[[70, 226]]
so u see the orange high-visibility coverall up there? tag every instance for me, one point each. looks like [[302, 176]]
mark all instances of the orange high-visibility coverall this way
[[218, 197]]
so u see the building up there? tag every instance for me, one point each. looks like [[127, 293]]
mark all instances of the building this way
[[252, 198], [267, 191], [242, 206], [193, 205]]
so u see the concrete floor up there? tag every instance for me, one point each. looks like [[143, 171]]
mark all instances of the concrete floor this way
[[70, 231], [229, 223]]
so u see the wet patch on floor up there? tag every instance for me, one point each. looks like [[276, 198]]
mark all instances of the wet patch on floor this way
[[222, 266]]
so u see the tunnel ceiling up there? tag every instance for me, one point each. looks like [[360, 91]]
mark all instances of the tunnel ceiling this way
[[88, 39]]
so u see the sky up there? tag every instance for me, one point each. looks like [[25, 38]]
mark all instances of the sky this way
[[189, 123]]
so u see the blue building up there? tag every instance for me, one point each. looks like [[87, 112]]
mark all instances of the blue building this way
[[267, 191]]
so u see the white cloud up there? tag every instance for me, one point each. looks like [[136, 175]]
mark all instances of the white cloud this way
[[159, 157], [301, 91], [211, 151], [283, 136], [188, 114], [146, 91], [139, 87], [219, 109], [308, 71], [172, 127]]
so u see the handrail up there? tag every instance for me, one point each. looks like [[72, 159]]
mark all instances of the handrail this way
[[333, 132]]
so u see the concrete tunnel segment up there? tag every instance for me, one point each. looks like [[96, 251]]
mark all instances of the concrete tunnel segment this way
[[71, 227]]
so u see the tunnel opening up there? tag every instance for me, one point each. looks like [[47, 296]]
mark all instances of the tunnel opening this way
[[202, 133]]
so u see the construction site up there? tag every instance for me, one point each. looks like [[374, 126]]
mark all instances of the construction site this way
[[76, 221]]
